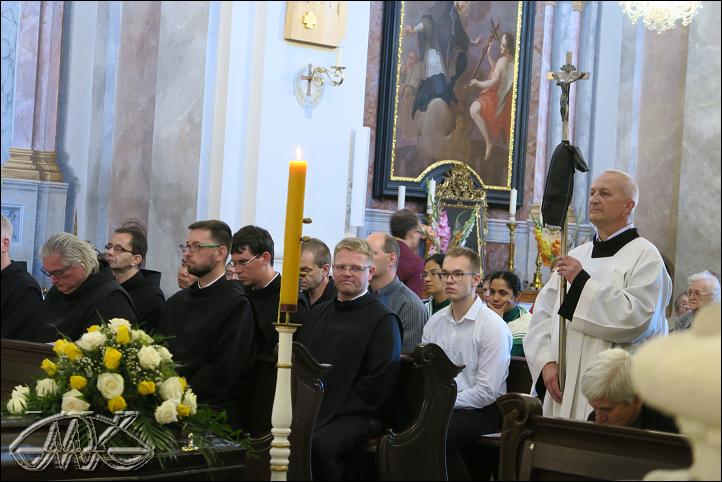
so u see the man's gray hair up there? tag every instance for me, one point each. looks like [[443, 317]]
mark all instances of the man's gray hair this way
[[631, 189], [710, 281], [608, 377], [7, 228], [72, 250]]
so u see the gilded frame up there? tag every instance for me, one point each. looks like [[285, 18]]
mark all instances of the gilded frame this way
[[395, 164]]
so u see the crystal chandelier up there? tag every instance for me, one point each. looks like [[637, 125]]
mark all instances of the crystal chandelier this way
[[661, 16]]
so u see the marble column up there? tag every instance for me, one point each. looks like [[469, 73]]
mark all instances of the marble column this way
[[32, 153], [575, 36], [542, 133], [9, 31]]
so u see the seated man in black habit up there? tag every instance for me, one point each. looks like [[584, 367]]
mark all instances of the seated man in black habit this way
[[212, 322], [316, 283], [125, 253], [361, 339], [252, 258], [21, 294], [84, 291]]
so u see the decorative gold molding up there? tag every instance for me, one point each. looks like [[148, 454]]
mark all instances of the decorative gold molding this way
[[21, 165], [577, 6], [48, 168]]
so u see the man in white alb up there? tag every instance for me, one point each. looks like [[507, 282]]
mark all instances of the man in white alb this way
[[618, 288]]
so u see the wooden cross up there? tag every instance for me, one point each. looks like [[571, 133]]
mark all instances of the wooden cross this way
[[564, 79]]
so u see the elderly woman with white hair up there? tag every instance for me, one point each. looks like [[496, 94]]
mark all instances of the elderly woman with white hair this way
[[702, 289], [84, 291], [608, 387]]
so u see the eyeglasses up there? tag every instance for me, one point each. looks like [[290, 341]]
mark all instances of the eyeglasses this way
[[195, 247], [116, 248], [696, 293], [430, 274], [342, 268], [236, 264], [57, 273], [456, 276]]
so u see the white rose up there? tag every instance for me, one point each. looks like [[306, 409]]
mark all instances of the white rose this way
[[189, 400], [20, 391], [140, 336], [171, 390], [149, 358], [166, 412], [164, 353], [45, 387], [110, 385], [116, 322], [91, 341], [73, 402], [17, 405]]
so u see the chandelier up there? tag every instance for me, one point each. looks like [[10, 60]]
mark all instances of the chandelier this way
[[661, 16]]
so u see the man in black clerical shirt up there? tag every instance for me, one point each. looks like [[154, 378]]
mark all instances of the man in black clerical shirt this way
[[21, 294], [211, 322], [124, 254], [252, 259], [361, 339], [84, 290], [316, 283]]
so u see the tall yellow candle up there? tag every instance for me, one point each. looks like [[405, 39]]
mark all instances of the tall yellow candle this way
[[292, 236]]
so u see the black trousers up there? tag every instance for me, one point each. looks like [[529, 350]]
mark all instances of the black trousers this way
[[335, 444], [465, 426]]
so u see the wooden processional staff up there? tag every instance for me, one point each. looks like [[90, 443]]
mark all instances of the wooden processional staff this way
[[559, 188]]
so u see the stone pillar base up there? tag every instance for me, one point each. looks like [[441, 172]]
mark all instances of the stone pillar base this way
[[21, 165], [47, 167]]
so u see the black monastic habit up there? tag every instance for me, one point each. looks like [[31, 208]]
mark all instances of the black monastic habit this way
[[99, 298], [144, 289], [20, 298], [304, 302], [213, 330], [265, 303]]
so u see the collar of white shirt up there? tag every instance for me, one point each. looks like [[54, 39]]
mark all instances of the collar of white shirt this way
[[206, 286], [628, 226], [471, 314]]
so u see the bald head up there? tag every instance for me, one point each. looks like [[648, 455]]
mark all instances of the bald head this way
[[612, 199]]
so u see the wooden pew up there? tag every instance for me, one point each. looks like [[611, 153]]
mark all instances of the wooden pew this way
[[21, 364], [306, 396], [417, 416], [534, 447]]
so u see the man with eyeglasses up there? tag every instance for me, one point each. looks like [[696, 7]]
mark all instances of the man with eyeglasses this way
[[124, 253], [21, 294], [405, 227], [618, 290], [361, 339], [393, 293], [702, 289], [211, 323], [84, 291], [252, 257], [475, 337]]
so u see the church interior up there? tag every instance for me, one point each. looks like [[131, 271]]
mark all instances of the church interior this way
[[158, 115]]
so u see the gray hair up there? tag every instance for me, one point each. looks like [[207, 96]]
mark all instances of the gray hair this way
[[72, 250], [630, 188], [7, 228], [608, 377], [710, 280]]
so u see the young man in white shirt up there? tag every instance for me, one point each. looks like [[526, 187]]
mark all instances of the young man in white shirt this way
[[473, 335]]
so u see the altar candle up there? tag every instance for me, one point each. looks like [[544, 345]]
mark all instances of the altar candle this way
[[292, 236], [402, 197], [339, 50], [512, 204]]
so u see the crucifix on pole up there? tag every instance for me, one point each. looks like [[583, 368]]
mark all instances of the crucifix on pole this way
[[560, 187]]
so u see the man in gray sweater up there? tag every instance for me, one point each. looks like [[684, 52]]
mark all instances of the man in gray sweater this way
[[393, 293]]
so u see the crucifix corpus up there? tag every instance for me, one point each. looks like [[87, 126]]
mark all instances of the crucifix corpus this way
[[560, 187]]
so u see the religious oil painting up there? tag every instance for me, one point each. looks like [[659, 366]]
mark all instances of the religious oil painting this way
[[454, 90]]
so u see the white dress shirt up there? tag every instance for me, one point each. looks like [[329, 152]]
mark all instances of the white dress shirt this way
[[481, 341]]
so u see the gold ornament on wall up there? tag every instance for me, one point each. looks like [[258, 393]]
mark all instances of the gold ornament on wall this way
[[319, 23]]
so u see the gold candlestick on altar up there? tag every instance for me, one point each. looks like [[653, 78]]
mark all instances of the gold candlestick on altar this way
[[537, 283], [512, 229]]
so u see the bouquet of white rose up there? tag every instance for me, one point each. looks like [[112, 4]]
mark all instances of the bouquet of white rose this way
[[114, 367]]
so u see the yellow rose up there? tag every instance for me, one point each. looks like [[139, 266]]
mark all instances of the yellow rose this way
[[78, 382], [146, 388], [50, 368], [93, 328], [116, 403], [123, 335], [183, 410], [73, 352], [111, 359], [183, 383], [59, 346]]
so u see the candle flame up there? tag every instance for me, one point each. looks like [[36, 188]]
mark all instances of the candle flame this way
[[299, 153]]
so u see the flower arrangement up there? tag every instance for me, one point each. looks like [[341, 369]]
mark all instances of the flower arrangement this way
[[113, 368], [548, 242], [438, 232]]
